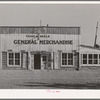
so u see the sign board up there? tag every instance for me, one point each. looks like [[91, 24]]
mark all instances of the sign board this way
[[39, 42]]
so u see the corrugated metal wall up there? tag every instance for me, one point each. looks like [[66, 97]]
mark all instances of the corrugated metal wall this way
[[32, 30]]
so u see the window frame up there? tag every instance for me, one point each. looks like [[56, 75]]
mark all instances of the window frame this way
[[45, 58], [67, 59], [98, 60], [95, 59], [14, 65], [85, 59]]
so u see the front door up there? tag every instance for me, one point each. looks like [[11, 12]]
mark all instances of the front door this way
[[46, 59], [37, 61]]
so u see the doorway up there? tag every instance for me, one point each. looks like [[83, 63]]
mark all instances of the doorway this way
[[46, 60], [37, 61]]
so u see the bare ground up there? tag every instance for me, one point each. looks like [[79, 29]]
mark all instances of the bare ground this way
[[53, 79]]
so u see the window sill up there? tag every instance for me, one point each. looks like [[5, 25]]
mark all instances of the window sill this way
[[13, 66], [68, 66]]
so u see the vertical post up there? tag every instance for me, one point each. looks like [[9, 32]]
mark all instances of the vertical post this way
[[79, 62], [96, 35], [42, 67], [29, 61], [52, 60]]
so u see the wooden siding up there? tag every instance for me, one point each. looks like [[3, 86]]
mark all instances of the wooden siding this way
[[8, 42], [4, 60]]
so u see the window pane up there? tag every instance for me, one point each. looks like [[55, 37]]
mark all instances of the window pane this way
[[95, 61], [85, 56], [90, 56], [70, 56], [17, 55], [11, 55], [90, 61], [11, 59], [95, 56], [64, 55], [44, 58], [63, 62], [11, 62], [64, 58], [84, 61], [17, 62], [70, 62], [17, 58]]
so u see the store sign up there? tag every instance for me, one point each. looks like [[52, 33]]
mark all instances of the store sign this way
[[39, 41], [38, 36], [64, 42]]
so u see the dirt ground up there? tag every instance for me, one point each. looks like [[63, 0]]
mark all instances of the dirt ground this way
[[53, 79]]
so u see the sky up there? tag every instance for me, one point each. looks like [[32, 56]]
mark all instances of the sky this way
[[82, 15]]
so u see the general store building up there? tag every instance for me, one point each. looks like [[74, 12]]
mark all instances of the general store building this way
[[39, 47]]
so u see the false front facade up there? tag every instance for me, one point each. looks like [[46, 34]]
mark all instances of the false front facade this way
[[41, 47]]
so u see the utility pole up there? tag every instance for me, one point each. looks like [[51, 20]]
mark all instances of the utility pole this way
[[96, 35]]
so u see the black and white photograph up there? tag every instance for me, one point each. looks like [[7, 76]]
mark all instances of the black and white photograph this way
[[50, 46]]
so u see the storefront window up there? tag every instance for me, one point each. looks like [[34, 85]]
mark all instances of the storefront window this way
[[67, 58], [11, 59], [95, 60], [17, 58], [70, 59], [90, 58], [14, 59], [64, 58], [84, 58]]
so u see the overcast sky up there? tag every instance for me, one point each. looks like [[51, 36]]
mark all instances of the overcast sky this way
[[82, 15]]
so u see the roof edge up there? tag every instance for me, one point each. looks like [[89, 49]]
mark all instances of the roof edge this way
[[42, 26], [90, 47]]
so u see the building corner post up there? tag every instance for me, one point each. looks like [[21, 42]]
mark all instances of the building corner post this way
[[52, 61], [79, 61]]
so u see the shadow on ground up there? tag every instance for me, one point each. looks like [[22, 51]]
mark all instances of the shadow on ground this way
[[60, 86]]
